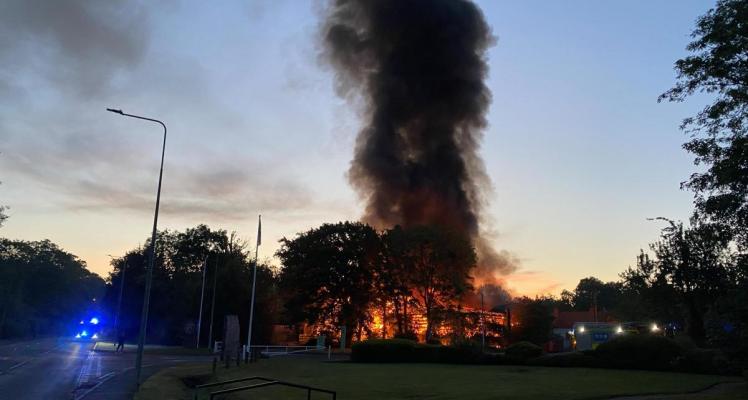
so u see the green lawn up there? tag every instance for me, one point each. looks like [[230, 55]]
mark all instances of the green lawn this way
[[105, 346], [433, 381]]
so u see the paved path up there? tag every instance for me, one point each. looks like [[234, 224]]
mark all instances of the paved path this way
[[716, 390], [61, 369]]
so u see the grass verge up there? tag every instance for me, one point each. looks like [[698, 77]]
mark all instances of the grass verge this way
[[104, 346], [433, 381]]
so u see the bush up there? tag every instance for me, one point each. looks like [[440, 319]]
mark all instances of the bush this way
[[520, 352], [407, 335], [639, 352], [568, 360], [401, 350], [384, 350], [705, 361], [460, 353]]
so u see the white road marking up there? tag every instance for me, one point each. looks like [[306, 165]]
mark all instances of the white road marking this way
[[85, 374]]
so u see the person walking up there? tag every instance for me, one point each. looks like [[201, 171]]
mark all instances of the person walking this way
[[120, 342]]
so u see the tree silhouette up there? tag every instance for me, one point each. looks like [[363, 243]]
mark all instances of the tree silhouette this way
[[719, 66]]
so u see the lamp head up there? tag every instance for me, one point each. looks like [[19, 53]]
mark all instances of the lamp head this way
[[114, 111]]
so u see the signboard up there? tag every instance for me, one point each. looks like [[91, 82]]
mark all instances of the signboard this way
[[600, 336], [230, 336]]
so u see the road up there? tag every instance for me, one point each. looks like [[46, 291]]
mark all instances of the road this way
[[62, 369]]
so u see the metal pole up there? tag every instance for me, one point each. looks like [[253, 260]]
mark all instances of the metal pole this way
[[121, 293], [213, 305], [151, 255], [482, 323], [254, 281], [202, 296]]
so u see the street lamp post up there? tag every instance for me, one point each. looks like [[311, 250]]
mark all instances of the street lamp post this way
[[213, 306], [202, 296], [151, 252]]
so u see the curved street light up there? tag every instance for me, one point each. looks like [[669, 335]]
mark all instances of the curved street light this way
[[151, 251]]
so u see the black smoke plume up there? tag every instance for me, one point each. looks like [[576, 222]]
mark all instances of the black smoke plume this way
[[419, 67]]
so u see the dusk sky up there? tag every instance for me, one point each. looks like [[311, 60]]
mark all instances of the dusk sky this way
[[578, 149]]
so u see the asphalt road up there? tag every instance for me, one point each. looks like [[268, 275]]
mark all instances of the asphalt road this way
[[62, 369]]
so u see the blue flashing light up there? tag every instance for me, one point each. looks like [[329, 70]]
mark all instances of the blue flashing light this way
[[94, 321], [84, 333], [78, 336], [81, 323]]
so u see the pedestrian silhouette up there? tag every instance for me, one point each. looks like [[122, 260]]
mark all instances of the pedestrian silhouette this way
[[120, 342]]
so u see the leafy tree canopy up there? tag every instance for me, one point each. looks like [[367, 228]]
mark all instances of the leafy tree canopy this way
[[718, 65]]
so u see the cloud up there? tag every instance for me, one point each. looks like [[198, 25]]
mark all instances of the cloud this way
[[77, 45], [85, 172], [62, 63]]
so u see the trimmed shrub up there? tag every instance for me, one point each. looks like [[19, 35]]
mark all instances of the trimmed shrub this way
[[426, 353], [400, 350], [460, 353], [639, 352], [407, 335], [520, 352], [705, 361], [384, 350]]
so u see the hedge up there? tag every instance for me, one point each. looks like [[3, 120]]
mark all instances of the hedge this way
[[628, 352], [521, 352], [402, 350], [384, 350], [639, 352]]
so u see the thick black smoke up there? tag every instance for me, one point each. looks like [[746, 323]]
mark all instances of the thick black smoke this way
[[419, 66]]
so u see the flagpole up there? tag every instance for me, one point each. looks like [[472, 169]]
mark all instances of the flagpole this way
[[254, 280]]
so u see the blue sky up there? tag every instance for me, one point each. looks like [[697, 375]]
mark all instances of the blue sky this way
[[579, 151]]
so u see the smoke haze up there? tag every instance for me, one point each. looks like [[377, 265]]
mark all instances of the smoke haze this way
[[419, 67]]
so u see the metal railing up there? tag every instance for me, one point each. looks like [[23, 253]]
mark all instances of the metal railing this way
[[222, 383], [267, 382], [272, 351]]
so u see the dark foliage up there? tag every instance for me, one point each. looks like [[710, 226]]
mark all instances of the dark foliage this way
[[177, 281], [718, 65], [401, 350], [639, 352], [43, 289], [533, 318], [384, 350], [520, 352]]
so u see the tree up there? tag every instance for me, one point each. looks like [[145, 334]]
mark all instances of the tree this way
[[532, 319], [43, 289], [177, 280], [440, 262], [393, 280], [593, 293], [328, 275], [719, 66], [691, 265]]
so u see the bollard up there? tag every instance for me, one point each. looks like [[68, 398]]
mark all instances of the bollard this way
[[329, 352], [215, 364], [238, 356]]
